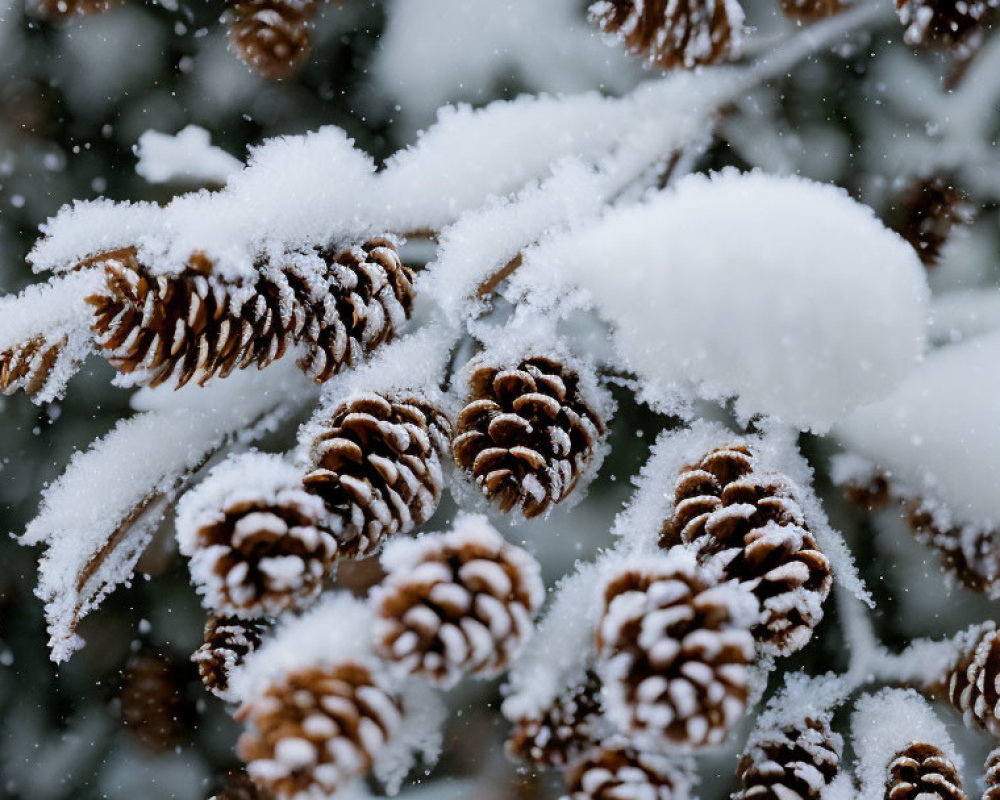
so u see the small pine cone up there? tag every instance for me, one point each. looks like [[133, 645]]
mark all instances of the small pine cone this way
[[526, 434], [154, 706], [29, 366], [377, 466], [955, 24], [974, 683], [228, 641], [458, 603], [60, 9], [563, 731], [615, 770], [272, 36], [749, 525], [674, 651], [926, 213], [790, 764], [969, 553], [255, 538], [922, 771], [992, 775], [317, 729], [673, 35], [807, 11]]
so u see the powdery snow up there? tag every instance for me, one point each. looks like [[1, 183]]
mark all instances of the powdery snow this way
[[187, 156]]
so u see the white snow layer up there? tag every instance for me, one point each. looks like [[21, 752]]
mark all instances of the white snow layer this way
[[781, 292], [97, 518], [884, 724], [963, 314], [938, 434], [186, 156]]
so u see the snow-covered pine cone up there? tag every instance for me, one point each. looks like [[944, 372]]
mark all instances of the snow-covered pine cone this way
[[272, 36], [616, 771], [457, 603], [956, 24], [992, 791], [674, 650], [927, 211], [255, 537], [228, 641], [747, 524], [29, 365], [974, 683], [58, 9], [313, 731], [969, 553], [790, 764], [562, 731], [527, 433], [154, 706], [806, 11], [923, 771], [376, 464], [672, 35]]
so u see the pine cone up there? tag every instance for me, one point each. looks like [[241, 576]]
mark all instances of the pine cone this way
[[563, 731], [682, 35], [377, 466], [615, 771], [29, 366], [526, 434], [228, 641], [673, 651], [992, 775], [154, 708], [748, 524], [59, 9], [790, 764], [970, 554], [922, 771], [955, 24], [272, 36], [807, 11], [255, 539], [317, 729], [926, 213], [974, 683], [455, 604]]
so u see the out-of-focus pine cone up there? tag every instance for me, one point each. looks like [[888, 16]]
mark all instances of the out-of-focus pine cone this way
[[969, 553], [377, 466], [238, 786], [992, 791], [674, 35], [29, 365], [59, 9], [455, 604], [806, 11], [272, 36], [790, 764], [228, 641], [927, 211], [318, 728], [923, 771], [974, 683], [748, 524], [526, 434], [255, 538], [674, 651], [616, 771], [154, 705], [562, 731], [955, 24]]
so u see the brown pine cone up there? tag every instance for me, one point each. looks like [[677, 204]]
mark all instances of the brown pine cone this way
[[228, 641], [615, 771], [681, 35], [674, 651], [455, 604], [377, 466], [974, 683], [748, 524], [970, 554], [317, 729], [29, 366], [59, 9], [955, 24], [563, 731], [922, 771], [272, 36], [255, 538], [154, 706], [927, 211], [807, 11], [790, 764], [992, 775], [526, 434]]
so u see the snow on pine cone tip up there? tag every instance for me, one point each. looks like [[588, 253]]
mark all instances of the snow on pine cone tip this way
[[791, 763], [992, 791], [228, 641], [747, 524], [614, 770], [457, 603], [255, 538], [29, 365], [959, 26], [921, 771], [272, 36], [376, 464], [974, 683], [674, 650], [526, 434]]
